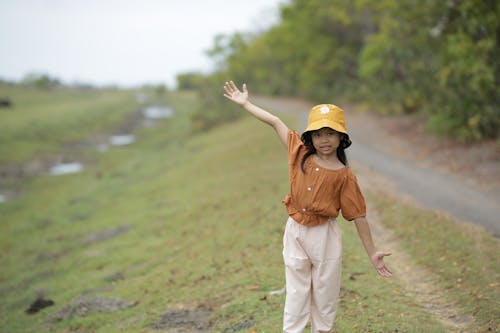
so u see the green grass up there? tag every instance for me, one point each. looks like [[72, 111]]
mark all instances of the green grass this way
[[41, 121], [205, 224], [463, 256]]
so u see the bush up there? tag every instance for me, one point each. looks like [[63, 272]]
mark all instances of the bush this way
[[214, 108]]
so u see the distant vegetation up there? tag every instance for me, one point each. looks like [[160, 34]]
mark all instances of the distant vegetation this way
[[437, 58], [41, 81]]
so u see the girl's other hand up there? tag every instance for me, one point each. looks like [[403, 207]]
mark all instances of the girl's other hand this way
[[234, 94], [378, 262]]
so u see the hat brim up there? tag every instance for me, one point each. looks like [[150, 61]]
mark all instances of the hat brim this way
[[314, 126], [330, 124]]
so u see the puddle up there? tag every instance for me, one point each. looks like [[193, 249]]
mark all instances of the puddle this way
[[158, 112], [65, 168], [153, 113], [103, 147], [145, 116], [141, 98], [122, 140]]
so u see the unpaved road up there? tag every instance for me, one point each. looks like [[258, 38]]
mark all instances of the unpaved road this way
[[431, 188], [461, 181]]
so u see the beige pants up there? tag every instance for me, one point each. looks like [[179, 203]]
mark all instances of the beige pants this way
[[313, 261]]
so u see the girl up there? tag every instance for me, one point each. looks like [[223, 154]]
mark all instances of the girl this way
[[321, 185]]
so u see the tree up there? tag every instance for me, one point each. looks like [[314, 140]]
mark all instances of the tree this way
[[469, 74], [439, 58]]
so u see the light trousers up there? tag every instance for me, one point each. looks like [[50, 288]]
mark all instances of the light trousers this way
[[313, 263]]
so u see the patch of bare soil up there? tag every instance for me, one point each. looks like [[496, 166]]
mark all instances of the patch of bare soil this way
[[83, 305], [195, 320], [39, 304], [106, 234], [184, 321], [240, 326]]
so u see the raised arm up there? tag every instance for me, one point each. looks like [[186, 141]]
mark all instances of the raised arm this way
[[232, 93]]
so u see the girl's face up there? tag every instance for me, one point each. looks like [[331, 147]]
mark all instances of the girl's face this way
[[326, 141]]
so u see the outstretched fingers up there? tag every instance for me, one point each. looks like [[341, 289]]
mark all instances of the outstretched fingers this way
[[232, 93], [230, 88], [227, 87], [384, 271], [378, 262], [233, 86]]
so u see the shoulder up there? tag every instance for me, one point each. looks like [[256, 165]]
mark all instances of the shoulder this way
[[294, 140], [296, 148], [349, 174]]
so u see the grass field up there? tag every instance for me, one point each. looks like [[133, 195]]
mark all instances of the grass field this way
[[178, 221], [40, 121]]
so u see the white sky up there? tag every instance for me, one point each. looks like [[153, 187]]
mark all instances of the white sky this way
[[124, 42]]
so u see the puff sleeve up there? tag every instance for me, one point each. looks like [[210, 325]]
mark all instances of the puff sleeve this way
[[352, 202], [296, 148]]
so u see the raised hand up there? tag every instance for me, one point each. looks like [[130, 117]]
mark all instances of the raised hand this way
[[234, 94], [378, 262]]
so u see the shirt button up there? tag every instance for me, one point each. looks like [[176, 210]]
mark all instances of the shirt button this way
[[303, 209], [317, 169], [309, 189]]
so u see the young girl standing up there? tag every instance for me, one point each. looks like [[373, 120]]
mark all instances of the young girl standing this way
[[321, 186]]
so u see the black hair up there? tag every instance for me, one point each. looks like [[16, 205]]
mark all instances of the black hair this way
[[307, 140]]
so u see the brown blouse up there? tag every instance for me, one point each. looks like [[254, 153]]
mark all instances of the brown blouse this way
[[320, 193]]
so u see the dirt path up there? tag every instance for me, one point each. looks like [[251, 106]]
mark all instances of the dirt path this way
[[399, 161], [417, 281], [459, 180]]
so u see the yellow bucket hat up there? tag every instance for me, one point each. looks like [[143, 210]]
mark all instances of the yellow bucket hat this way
[[326, 115]]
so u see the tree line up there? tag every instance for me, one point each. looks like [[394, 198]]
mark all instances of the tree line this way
[[438, 58]]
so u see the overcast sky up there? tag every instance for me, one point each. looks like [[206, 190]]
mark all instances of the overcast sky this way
[[124, 42]]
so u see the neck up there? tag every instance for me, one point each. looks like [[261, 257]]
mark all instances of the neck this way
[[328, 157], [330, 161]]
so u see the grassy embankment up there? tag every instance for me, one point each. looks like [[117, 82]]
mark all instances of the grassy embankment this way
[[201, 225], [40, 121]]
